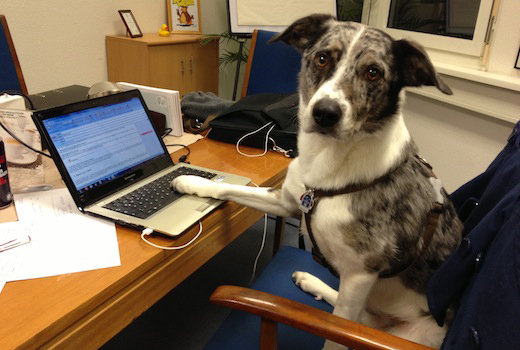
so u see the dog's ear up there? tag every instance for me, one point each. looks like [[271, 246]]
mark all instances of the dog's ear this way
[[415, 67], [304, 31]]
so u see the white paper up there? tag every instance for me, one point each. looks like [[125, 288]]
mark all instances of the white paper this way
[[46, 205], [6, 269], [63, 240]]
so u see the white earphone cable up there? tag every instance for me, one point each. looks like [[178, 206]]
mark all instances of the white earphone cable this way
[[252, 133]]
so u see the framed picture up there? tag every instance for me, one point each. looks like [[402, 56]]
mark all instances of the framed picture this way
[[131, 24], [184, 16], [517, 63]]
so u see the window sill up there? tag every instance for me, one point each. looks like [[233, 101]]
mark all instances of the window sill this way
[[478, 76], [485, 93]]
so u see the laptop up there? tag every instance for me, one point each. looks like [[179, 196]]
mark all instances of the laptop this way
[[116, 165]]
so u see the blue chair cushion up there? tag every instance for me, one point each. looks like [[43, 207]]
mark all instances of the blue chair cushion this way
[[241, 330]]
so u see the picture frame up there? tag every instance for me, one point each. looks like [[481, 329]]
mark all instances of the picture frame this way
[[184, 16], [132, 28], [517, 62]]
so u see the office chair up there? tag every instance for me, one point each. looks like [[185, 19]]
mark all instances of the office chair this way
[[480, 278], [11, 77], [271, 68]]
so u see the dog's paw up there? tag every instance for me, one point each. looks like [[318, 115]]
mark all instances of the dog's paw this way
[[191, 184], [310, 284]]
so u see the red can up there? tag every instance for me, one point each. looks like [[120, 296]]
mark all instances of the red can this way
[[6, 197]]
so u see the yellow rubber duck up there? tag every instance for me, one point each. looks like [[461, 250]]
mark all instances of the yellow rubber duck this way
[[164, 30]]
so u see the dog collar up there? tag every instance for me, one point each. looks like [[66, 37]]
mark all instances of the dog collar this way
[[311, 196]]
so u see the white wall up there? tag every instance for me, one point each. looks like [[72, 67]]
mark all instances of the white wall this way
[[459, 144], [62, 42]]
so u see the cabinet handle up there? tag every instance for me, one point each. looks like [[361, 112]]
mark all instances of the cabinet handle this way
[[191, 64], [182, 66]]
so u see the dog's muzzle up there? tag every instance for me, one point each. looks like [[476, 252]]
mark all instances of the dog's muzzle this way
[[326, 112]]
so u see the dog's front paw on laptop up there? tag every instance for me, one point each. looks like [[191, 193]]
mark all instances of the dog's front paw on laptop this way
[[313, 285], [191, 184]]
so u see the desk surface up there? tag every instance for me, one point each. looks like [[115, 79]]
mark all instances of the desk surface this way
[[86, 309]]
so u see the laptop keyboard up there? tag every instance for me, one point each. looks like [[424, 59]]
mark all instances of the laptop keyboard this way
[[154, 196]]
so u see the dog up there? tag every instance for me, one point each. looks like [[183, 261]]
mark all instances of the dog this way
[[379, 217]]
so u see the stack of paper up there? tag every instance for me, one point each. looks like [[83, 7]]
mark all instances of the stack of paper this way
[[62, 240]]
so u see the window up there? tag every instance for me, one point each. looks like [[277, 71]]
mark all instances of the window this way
[[350, 10], [456, 18], [457, 26]]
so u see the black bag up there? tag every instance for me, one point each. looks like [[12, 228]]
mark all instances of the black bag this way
[[260, 111]]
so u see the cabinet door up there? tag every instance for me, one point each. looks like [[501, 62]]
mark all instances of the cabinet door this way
[[127, 62], [168, 67], [202, 67]]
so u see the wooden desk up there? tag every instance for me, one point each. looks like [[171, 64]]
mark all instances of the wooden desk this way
[[84, 310]]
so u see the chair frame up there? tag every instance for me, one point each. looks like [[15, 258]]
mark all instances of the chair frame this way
[[273, 309], [12, 50], [249, 63]]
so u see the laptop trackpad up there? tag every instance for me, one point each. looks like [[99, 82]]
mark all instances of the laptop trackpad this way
[[209, 203]]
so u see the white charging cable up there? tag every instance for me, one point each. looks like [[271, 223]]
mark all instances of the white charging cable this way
[[252, 133], [149, 231], [261, 246], [260, 251]]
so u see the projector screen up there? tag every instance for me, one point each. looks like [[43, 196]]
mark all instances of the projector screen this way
[[247, 15]]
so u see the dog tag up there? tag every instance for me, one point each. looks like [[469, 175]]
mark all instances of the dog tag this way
[[307, 201]]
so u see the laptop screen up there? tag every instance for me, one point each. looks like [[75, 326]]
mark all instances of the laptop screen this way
[[104, 145]]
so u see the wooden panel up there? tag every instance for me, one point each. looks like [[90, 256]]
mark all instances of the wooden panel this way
[[203, 67], [168, 67], [154, 39], [84, 310], [127, 61], [177, 62]]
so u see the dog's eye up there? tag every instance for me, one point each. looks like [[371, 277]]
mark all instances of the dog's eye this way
[[321, 60], [373, 73]]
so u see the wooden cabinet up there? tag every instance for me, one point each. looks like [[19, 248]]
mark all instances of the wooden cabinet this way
[[177, 62]]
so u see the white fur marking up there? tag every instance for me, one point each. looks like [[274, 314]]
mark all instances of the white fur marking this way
[[437, 186], [313, 285], [329, 88]]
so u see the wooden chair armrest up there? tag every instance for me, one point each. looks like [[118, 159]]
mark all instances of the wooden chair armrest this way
[[309, 319]]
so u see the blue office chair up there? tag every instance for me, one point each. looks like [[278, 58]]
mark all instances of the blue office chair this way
[[11, 77], [271, 68], [480, 279]]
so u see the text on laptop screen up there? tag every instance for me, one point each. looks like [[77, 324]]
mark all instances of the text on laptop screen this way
[[102, 143]]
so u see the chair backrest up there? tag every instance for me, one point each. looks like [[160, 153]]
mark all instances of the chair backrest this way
[[270, 67], [11, 77]]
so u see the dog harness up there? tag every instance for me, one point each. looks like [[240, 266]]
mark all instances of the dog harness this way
[[310, 198]]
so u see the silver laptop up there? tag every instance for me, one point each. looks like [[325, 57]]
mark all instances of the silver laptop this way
[[116, 165]]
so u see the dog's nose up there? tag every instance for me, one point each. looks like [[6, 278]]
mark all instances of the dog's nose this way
[[326, 112]]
